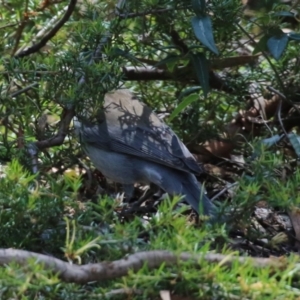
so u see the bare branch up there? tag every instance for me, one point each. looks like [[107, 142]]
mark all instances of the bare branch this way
[[140, 73], [183, 75], [51, 33], [58, 139], [8, 25], [25, 89], [115, 269], [123, 292]]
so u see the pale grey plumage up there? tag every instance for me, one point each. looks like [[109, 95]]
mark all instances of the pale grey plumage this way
[[130, 144]]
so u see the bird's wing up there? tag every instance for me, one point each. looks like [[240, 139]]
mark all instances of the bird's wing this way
[[134, 129]]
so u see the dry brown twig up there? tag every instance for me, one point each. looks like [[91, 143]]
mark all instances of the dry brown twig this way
[[36, 47], [134, 262]]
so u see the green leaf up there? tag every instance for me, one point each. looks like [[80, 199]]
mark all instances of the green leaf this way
[[284, 14], [188, 91], [199, 7], [277, 44], [182, 105], [203, 31], [268, 142], [200, 65], [295, 142], [294, 36]]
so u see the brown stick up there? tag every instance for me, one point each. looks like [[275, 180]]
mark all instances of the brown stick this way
[[36, 47], [134, 262]]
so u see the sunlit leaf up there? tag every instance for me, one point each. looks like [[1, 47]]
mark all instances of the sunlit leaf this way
[[203, 30], [182, 105]]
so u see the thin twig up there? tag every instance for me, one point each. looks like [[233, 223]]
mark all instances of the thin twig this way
[[126, 293], [19, 71], [271, 89], [134, 262], [283, 97], [279, 108], [224, 190], [58, 139], [265, 56], [25, 89], [280, 120], [8, 25], [36, 47]]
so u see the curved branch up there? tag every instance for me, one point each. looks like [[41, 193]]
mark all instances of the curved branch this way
[[51, 33], [134, 262], [58, 139]]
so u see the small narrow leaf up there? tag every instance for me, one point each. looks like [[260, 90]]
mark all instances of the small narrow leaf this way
[[294, 36], [200, 65], [284, 14], [188, 91], [203, 31], [295, 141], [268, 142], [277, 44], [183, 104]]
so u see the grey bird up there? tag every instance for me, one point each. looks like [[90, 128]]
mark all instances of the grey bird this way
[[129, 144]]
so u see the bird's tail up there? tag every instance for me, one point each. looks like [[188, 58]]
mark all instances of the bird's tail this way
[[195, 195], [186, 184]]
